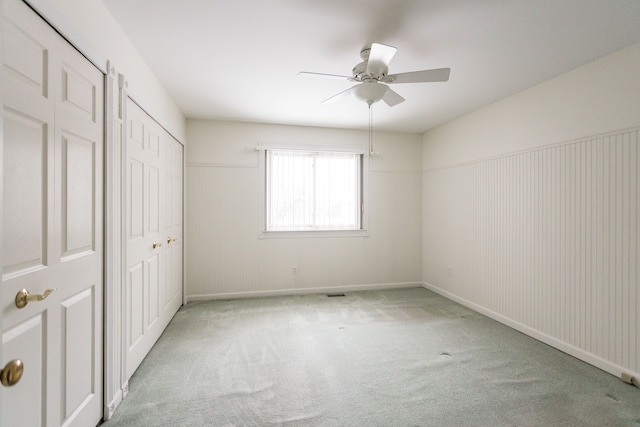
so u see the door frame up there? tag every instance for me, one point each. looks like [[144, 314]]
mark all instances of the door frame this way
[[1, 183]]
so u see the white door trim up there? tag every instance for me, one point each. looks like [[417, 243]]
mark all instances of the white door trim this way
[[1, 188], [149, 111], [114, 390], [51, 15]]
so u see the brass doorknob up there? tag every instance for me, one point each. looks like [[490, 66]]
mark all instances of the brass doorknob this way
[[11, 373], [169, 240], [23, 297], [156, 245]]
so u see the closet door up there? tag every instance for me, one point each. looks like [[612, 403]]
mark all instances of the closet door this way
[[173, 220], [52, 222], [154, 233]]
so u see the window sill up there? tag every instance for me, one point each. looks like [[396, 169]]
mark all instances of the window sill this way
[[312, 234]]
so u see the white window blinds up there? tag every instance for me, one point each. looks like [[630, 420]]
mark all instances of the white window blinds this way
[[313, 190]]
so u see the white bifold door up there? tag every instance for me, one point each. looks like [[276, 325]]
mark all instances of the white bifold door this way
[[154, 232], [52, 226]]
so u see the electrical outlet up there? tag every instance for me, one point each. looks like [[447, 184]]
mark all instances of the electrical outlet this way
[[449, 271], [294, 270]]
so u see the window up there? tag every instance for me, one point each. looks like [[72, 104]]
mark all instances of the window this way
[[312, 192]]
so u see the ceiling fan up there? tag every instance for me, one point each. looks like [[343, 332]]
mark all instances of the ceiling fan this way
[[371, 75]]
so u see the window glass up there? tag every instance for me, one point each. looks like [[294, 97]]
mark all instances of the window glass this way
[[316, 190]]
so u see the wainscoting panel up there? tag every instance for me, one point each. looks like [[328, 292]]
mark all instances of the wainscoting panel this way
[[546, 240]]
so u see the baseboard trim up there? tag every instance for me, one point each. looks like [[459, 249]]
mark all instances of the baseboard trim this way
[[571, 350], [301, 291]]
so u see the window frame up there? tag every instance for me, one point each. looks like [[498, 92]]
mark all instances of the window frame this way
[[262, 191]]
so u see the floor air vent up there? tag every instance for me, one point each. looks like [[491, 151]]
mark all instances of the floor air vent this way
[[335, 295]]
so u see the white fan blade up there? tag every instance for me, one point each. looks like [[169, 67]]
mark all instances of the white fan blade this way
[[323, 75], [339, 96], [379, 58], [424, 76], [392, 98]]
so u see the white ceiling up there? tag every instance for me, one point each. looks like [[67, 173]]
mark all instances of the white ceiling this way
[[238, 60]]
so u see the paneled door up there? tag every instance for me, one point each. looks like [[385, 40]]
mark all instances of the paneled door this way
[[154, 233], [173, 166], [52, 222]]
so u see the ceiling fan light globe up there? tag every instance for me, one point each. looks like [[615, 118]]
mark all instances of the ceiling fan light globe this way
[[370, 92]]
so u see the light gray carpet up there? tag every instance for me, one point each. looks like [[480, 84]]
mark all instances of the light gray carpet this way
[[379, 358]]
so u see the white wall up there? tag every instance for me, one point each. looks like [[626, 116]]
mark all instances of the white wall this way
[[226, 257], [599, 97], [531, 211], [92, 20]]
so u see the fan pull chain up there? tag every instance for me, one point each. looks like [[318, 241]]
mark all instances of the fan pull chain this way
[[370, 131]]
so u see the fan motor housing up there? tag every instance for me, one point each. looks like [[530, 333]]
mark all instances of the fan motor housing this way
[[360, 72]]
